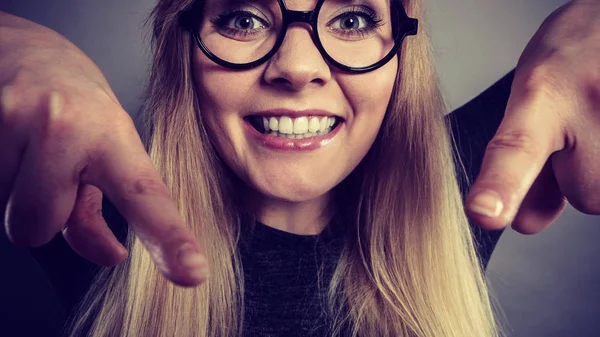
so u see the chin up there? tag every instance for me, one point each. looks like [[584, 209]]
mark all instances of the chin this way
[[293, 193]]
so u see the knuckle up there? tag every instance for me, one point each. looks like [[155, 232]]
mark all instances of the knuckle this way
[[61, 123], [519, 139], [87, 206], [69, 121], [9, 104], [144, 185], [6, 104], [539, 82]]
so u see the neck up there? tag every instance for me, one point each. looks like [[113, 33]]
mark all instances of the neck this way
[[303, 218]]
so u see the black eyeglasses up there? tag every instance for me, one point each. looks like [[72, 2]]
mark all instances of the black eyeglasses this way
[[354, 37]]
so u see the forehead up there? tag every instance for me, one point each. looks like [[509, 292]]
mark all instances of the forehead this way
[[302, 5]]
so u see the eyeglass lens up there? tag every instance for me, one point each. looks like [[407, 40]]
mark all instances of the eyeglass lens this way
[[353, 33]]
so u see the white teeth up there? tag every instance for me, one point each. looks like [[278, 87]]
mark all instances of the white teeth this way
[[286, 125], [300, 125], [313, 124], [323, 124], [273, 124]]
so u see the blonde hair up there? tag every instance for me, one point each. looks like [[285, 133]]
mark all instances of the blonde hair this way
[[408, 266]]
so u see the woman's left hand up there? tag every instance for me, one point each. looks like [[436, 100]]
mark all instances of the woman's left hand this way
[[547, 149]]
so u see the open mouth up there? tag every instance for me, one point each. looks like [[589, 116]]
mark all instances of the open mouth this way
[[294, 128]]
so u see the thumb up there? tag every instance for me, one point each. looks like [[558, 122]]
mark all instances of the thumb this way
[[529, 133]]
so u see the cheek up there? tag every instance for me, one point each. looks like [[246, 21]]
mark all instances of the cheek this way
[[221, 93], [220, 89], [370, 92], [369, 95]]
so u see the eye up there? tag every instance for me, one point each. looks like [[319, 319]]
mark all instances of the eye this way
[[351, 21], [240, 20], [244, 22], [357, 22]]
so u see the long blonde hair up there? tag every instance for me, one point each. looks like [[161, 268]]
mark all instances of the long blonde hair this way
[[408, 266]]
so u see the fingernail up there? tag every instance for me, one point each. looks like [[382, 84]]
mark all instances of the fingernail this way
[[194, 262], [487, 203]]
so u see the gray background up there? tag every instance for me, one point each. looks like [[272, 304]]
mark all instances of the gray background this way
[[547, 284]]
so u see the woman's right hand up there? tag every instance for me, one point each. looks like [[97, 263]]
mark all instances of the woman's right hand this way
[[65, 140]]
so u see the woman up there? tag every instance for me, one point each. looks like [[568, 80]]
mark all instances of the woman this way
[[386, 275], [394, 256]]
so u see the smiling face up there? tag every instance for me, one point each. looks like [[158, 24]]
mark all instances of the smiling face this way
[[272, 124]]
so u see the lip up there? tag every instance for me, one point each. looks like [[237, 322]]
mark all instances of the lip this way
[[294, 113], [285, 144]]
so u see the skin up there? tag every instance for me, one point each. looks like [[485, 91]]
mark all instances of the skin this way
[[545, 150], [292, 189]]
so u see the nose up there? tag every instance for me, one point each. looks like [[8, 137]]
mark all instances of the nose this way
[[298, 63]]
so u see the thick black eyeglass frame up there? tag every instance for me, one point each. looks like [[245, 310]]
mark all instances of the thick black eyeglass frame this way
[[407, 26]]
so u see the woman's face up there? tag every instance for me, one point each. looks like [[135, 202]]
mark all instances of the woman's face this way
[[295, 92]]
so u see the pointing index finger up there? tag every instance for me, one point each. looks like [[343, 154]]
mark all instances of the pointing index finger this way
[[126, 175], [529, 133]]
